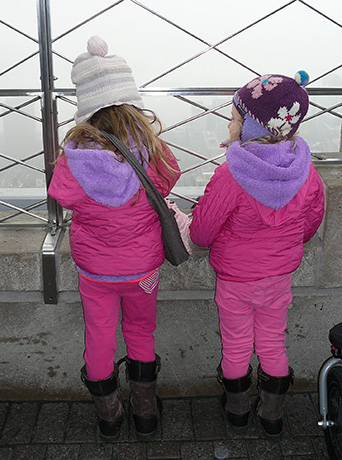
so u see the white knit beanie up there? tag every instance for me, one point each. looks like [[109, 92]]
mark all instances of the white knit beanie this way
[[102, 81]]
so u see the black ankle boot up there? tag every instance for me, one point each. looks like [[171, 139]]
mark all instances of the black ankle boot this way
[[269, 404], [236, 400], [145, 403], [105, 394]]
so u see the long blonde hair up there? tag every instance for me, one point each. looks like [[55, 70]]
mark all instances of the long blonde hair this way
[[122, 121]]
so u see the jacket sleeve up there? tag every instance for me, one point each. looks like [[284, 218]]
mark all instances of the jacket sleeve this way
[[162, 185], [214, 208], [315, 213], [63, 187]]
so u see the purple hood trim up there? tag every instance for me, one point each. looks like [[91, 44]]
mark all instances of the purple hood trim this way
[[102, 176], [270, 173]]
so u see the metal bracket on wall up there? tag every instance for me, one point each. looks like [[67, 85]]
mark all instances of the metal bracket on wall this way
[[49, 265]]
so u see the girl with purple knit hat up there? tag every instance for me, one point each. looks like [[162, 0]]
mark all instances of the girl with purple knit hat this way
[[259, 208], [115, 235]]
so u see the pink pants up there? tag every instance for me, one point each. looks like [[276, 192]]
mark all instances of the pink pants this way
[[253, 316], [101, 306]]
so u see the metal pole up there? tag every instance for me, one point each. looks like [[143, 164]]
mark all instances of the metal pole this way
[[50, 144], [323, 390], [48, 101]]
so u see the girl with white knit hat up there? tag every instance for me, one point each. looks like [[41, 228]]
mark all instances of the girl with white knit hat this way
[[115, 235]]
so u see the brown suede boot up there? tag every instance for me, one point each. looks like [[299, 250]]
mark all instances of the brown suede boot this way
[[105, 394], [145, 403], [235, 400], [270, 402]]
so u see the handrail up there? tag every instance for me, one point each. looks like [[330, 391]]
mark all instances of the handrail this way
[[165, 91]]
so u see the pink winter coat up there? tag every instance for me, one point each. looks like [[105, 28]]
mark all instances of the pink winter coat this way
[[249, 240], [114, 230]]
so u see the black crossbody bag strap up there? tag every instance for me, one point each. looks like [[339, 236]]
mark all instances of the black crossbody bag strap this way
[[175, 251]]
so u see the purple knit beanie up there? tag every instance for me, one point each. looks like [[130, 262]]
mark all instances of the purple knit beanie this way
[[272, 105]]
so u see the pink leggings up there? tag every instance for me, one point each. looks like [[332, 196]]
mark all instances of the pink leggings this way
[[253, 316], [101, 306]]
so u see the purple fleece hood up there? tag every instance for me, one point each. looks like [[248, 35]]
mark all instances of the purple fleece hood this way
[[270, 173], [102, 176]]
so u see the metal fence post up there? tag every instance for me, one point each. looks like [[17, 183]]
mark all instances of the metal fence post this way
[[50, 144]]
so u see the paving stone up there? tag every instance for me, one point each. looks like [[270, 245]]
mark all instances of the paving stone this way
[[51, 425], [208, 419], [302, 415], [197, 450], [82, 423], [127, 451], [163, 451], [314, 398], [5, 453], [20, 423], [29, 452], [236, 448], [62, 452], [4, 408], [96, 452], [302, 457], [320, 448], [297, 446], [177, 421], [191, 430], [263, 450]]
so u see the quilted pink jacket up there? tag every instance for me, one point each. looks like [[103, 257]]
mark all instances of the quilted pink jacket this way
[[114, 230], [249, 240]]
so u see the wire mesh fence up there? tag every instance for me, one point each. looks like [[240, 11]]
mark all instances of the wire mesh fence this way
[[188, 60]]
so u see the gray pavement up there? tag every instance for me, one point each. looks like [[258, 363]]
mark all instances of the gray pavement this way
[[191, 429]]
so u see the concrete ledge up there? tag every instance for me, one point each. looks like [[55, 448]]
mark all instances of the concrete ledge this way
[[196, 273], [331, 275], [20, 264], [42, 347]]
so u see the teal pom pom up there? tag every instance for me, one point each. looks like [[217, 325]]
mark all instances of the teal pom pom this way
[[302, 77]]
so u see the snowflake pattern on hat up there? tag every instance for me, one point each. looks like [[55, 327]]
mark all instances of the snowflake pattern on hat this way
[[273, 104], [266, 82], [286, 119]]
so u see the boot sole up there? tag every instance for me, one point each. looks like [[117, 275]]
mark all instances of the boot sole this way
[[102, 438], [147, 437], [237, 429], [269, 436], [272, 437]]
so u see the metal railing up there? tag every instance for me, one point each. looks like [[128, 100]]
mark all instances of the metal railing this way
[[51, 97]]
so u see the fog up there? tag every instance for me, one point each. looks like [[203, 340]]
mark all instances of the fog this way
[[294, 37]]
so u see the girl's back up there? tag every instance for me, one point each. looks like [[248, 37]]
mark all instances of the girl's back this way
[[114, 229]]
